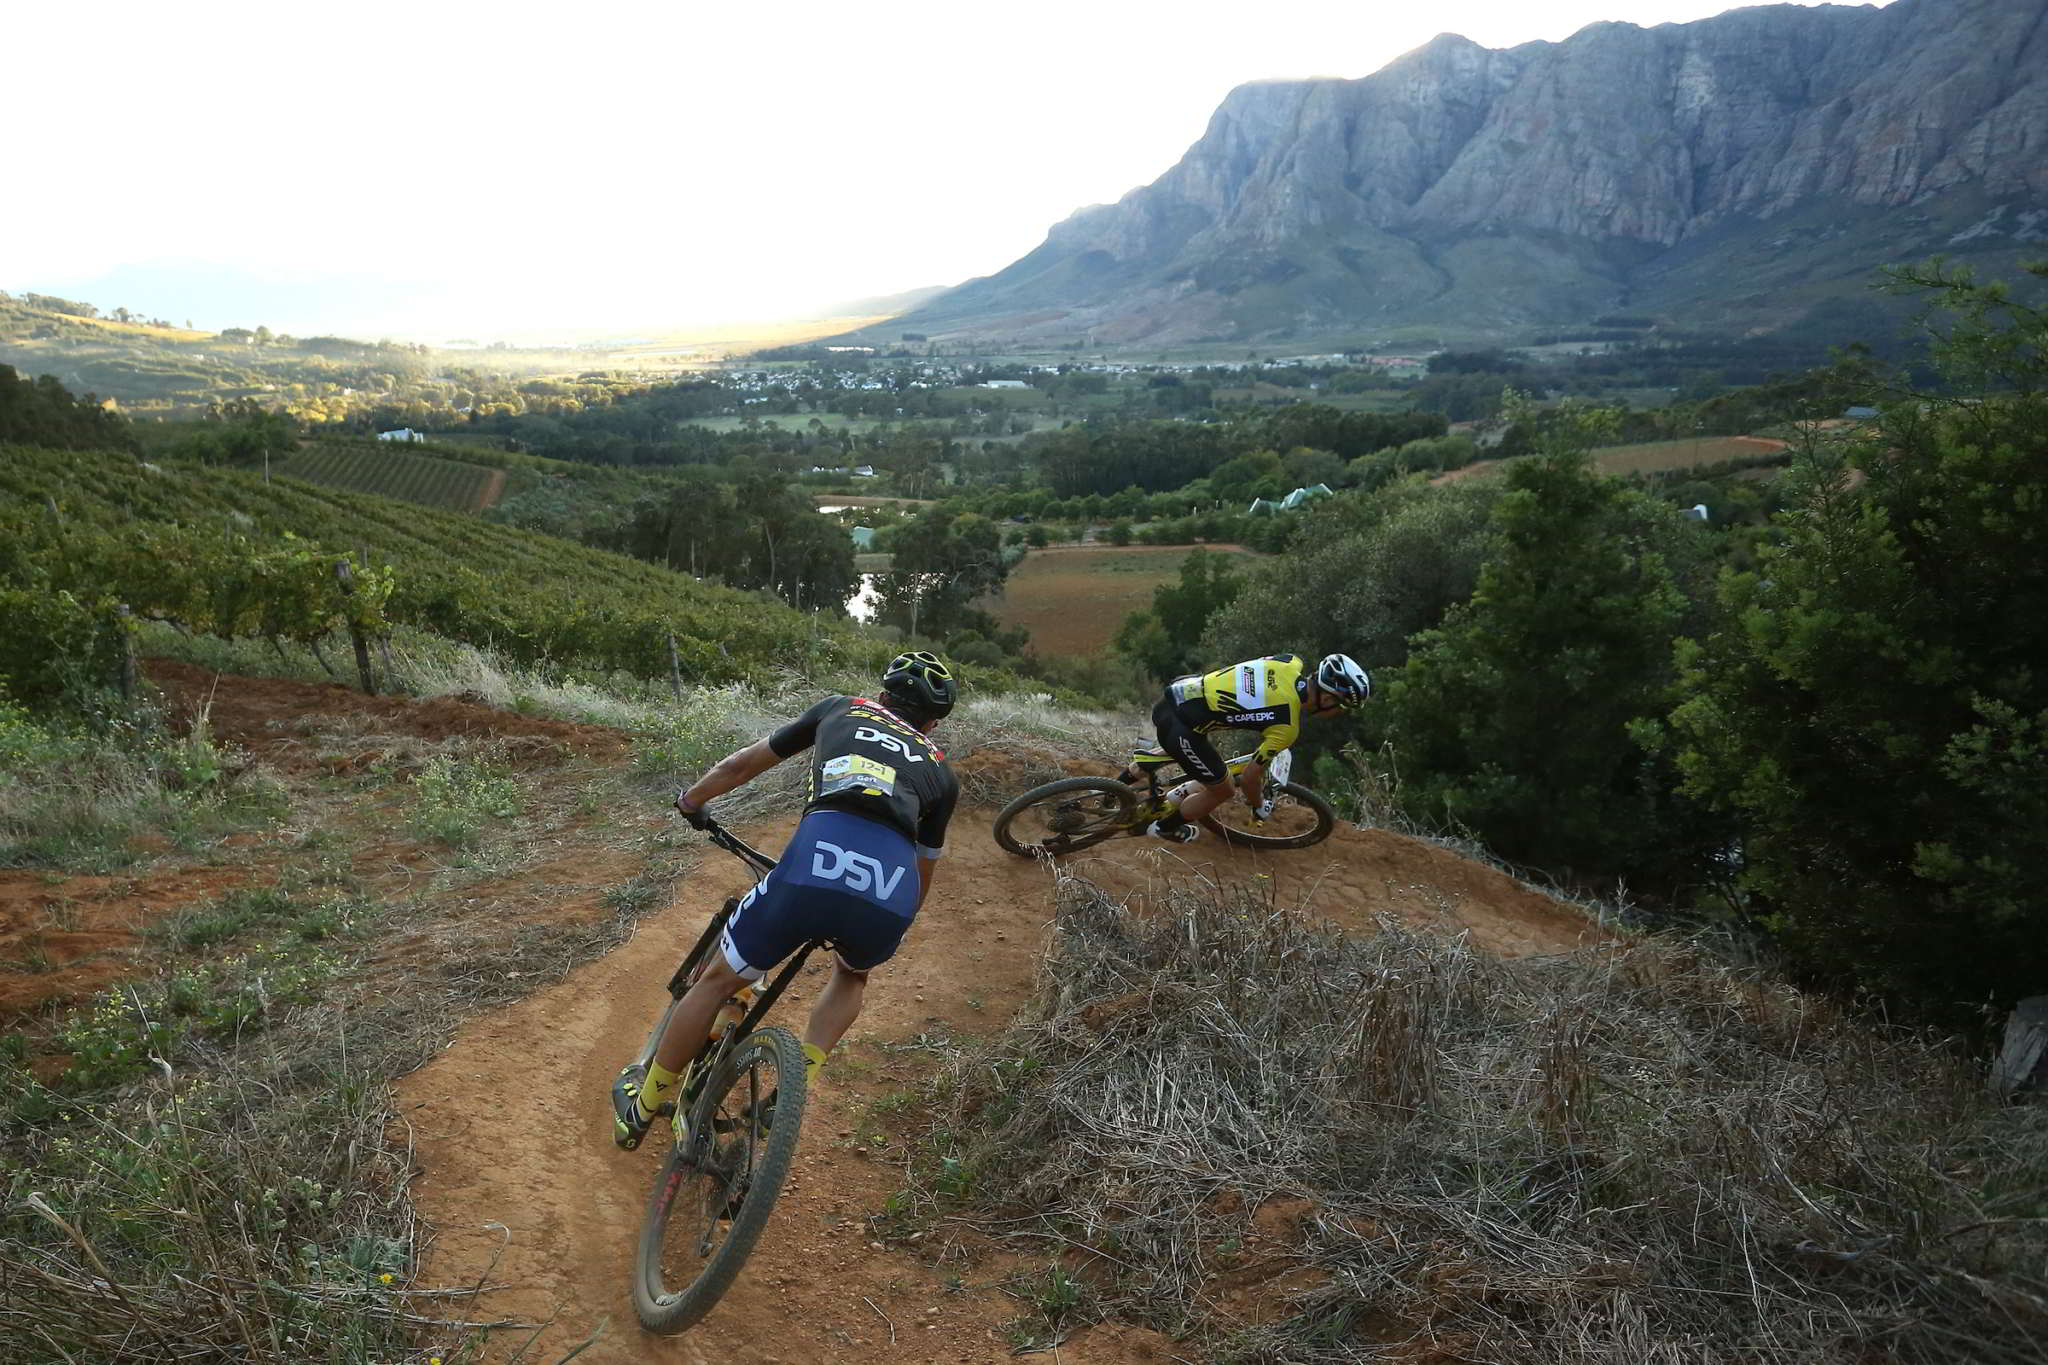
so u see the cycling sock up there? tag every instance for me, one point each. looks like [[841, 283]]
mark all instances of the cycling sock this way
[[654, 1091], [814, 1062]]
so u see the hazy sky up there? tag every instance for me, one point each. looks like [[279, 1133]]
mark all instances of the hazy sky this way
[[433, 169]]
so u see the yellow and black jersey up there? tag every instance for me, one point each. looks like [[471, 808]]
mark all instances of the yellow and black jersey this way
[[1258, 694]]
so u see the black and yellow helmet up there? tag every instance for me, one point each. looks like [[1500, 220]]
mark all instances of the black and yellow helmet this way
[[920, 683]]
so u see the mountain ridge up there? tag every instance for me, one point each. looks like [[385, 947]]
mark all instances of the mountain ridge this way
[[1547, 182]]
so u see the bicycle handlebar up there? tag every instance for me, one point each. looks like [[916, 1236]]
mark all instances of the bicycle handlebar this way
[[738, 847]]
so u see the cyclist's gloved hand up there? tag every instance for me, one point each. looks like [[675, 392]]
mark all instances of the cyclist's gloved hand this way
[[698, 817]]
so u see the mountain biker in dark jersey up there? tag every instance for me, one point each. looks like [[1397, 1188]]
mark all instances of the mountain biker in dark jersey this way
[[879, 798], [1270, 695]]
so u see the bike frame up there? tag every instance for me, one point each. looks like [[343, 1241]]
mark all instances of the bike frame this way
[[685, 975], [1150, 763]]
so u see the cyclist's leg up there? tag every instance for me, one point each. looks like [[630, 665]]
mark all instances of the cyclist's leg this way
[[866, 928], [759, 935], [838, 1006], [867, 935], [689, 1024], [1209, 777]]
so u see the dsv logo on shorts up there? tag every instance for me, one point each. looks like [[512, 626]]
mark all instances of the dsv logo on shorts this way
[[857, 870], [890, 742]]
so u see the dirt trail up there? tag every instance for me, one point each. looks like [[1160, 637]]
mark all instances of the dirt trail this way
[[524, 1188], [519, 1179]]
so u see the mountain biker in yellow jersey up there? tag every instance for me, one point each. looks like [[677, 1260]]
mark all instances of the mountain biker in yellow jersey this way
[[1270, 695], [879, 798]]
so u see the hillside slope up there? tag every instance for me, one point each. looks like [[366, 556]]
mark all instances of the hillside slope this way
[[533, 597], [393, 472], [527, 1190], [1542, 1096], [1731, 173]]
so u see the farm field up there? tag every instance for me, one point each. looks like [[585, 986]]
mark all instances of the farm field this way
[[1652, 456], [1074, 598], [866, 500], [399, 474], [787, 421]]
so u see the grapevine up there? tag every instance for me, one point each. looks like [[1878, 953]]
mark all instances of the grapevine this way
[[223, 552]]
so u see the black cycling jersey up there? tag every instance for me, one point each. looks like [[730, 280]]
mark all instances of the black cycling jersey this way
[[867, 761]]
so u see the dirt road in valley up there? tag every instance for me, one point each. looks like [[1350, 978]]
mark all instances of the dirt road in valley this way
[[523, 1188]]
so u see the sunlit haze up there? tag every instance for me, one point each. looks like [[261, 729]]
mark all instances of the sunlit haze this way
[[432, 170]]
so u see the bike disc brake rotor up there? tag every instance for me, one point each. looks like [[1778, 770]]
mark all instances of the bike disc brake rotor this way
[[1068, 817], [1090, 812]]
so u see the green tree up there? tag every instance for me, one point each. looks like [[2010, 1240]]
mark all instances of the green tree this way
[[1874, 708], [756, 533], [1305, 465], [1529, 715], [1364, 574], [1166, 640], [240, 431], [944, 560], [1257, 475], [42, 412]]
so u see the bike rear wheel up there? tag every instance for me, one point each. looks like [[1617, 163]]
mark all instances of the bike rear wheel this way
[[1061, 817], [719, 1185], [1300, 818]]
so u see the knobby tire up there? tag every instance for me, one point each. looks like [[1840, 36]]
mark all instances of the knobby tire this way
[[666, 1309], [1325, 821], [1127, 805]]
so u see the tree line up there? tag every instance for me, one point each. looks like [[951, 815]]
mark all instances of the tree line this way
[[1826, 723]]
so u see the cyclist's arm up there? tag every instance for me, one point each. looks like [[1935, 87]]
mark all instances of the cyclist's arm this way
[[743, 766], [931, 835], [1274, 740], [736, 769]]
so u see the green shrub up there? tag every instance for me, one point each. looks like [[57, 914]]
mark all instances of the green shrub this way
[[76, 794], [453, 799], [117, 1038], [682, 741], [55, 648], [1874, 708]]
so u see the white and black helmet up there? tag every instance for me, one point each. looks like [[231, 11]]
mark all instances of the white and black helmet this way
[[1342, 678]]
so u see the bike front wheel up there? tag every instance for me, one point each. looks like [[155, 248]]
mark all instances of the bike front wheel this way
[[1063, 816], [1300, 818], [719, 1185]]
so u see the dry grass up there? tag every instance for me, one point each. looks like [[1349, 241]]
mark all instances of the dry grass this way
[[218, 1175], [1240, 1127]]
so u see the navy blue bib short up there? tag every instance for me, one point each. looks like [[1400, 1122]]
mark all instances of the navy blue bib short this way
[[843, 878]]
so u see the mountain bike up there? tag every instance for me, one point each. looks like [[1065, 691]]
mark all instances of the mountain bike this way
[[1078, 812], [736, 1116]]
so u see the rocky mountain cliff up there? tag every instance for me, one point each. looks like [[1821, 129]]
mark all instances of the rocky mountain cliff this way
[[1731, 173]]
